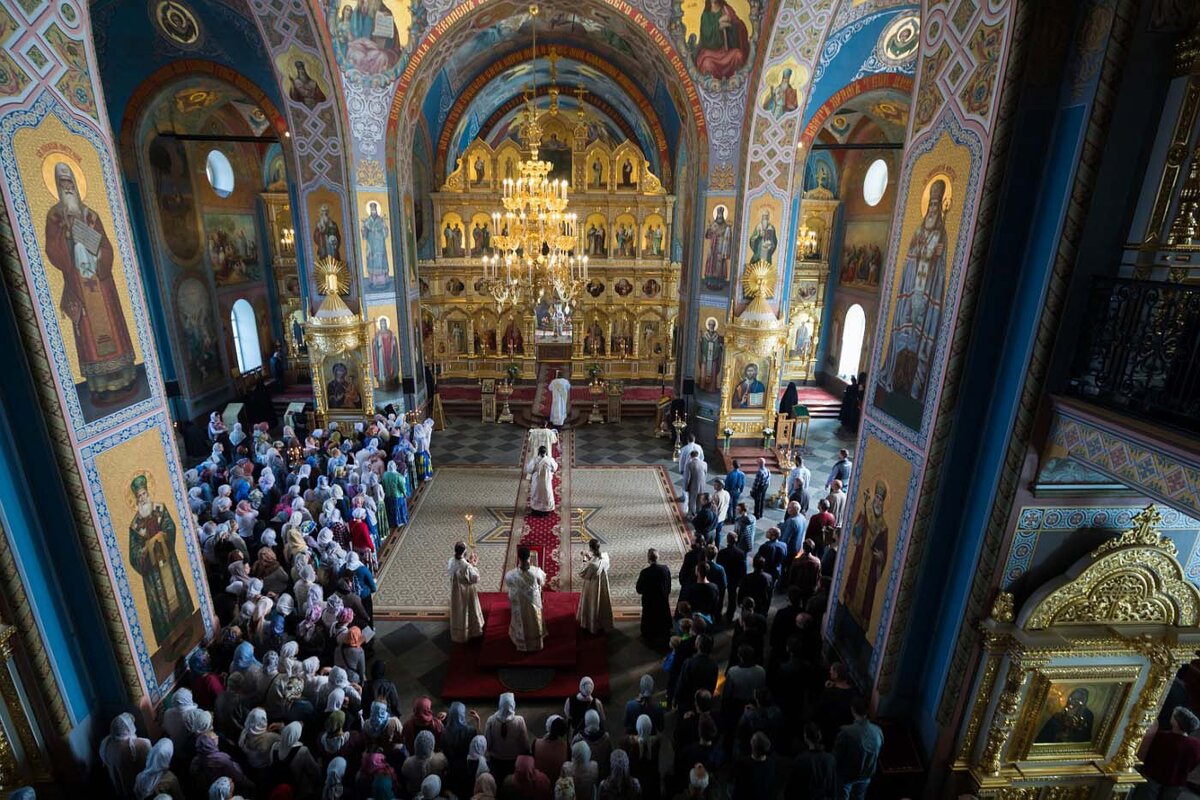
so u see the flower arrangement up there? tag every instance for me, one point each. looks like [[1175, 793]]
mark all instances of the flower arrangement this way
[[768, 435], [594, 371], [512, 370], [728, 434]]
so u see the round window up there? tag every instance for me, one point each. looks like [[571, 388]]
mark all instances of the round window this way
[[220, 173], [875, 183]]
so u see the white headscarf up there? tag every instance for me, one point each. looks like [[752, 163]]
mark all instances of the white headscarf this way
[[158, 763]]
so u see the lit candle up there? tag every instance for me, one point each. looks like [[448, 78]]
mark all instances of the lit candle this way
[[470, 530]]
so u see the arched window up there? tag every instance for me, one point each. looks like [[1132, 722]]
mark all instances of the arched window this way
[[219, 172], [245, 336], [853, 331]]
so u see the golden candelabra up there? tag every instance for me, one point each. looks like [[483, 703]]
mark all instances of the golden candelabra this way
[[678, 424], [596, 388]]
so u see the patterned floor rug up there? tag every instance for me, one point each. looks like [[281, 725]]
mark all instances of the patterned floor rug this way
[[413, 580], [628, 508]]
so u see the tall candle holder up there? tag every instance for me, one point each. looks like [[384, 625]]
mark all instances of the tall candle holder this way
[[678, 424]]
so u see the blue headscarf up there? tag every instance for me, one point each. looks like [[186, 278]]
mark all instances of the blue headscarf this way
[[243, 658]]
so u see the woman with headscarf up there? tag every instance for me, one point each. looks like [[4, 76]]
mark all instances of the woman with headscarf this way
[[597, 739], [306, 584], [527, 782], [246, 518], [124, 753], [485, 788], [620, 784], [394, 495], [553, 749], [352, 601], [289, 652], [196, 722], [338, 679], [380, 688], [294, 537], [270, 572], [423, 761], [422, 719], [349, 654], [431, 788], [338, 527], [580, 703], [258, 629], [456, 745], [643, 750], [477, 762], [291, 762], [330, 555], [216, 427], [157, 777], [360, 536], [196, 501], [337, 741], [211, 765], [257, 740], [364, 581], [377, 777], [335, 778], [224, 492], [582, 769], [285, 700], [233, 705], [173, 718], [507, 737], [375, 721], [312, 632]]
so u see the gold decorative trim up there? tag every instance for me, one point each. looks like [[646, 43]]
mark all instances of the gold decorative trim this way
[[1176, 155], [1134, 578]]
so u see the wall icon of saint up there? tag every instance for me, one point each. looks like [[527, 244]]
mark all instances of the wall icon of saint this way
[[342, 390], [749, 392], [327, 236], [724, 44], [719, 236], [712, 355], [77, 245], [375, 233], [152, 535], [385, 354]]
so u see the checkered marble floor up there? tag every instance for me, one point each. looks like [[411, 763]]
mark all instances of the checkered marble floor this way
[[416, 651]]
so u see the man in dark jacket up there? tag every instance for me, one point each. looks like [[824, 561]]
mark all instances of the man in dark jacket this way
[[814, 772], [733, 560], [654, 585], [762, 485], [757, 585], [735, 484], [699, 672], [705, 521]]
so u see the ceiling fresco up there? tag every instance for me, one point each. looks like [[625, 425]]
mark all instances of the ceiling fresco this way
[[622, 114]]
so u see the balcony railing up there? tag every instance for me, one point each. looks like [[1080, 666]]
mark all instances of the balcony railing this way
[[1140, 351]]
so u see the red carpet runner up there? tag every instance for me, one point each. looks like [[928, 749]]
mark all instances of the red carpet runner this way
[[547, 535]]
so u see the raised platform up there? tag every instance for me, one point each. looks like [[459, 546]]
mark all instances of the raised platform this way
[[558, 609], [484, 668]]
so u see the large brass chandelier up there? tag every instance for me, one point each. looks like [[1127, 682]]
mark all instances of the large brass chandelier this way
[[535, 237]]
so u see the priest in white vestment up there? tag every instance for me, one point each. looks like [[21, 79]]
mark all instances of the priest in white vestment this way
[[466, 614], [527, 630], [560, 400], [541, 469], [543, 437], [595, 613]]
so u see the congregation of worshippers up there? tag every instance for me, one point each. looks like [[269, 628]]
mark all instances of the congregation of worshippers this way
[[289, 699]]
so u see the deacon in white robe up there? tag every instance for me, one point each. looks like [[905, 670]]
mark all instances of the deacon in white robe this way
[[560, 400], [543, 437], [595, 613], [466, 614], [541, 469], [527, 630]]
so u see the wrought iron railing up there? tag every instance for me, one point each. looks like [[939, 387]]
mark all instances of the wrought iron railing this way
[[1140, 351]]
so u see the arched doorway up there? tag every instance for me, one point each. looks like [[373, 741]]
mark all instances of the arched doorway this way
[[245, 336], [854, 328]]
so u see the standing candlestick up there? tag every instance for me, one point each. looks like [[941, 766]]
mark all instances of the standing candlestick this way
[[470, 518]]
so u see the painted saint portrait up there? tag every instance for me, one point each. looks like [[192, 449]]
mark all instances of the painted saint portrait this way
[[232, 245], [595, 287], [652, 288], [303, 87], [1073, 723], [385, 355], [869, 541], [326, 235], [193, 307], [917, 318], [623, 287], [764, 240], [723, 46], [749, 392], [342, 389], [173, 195], [781, 96], [717, 250], [369, 35], [711, 358], [152, 535], [78, 246], [375, 234]]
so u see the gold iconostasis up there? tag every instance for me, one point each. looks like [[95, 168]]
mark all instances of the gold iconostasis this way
[[623, 320]]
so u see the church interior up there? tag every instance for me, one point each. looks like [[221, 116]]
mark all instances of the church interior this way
[[770, 398]]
